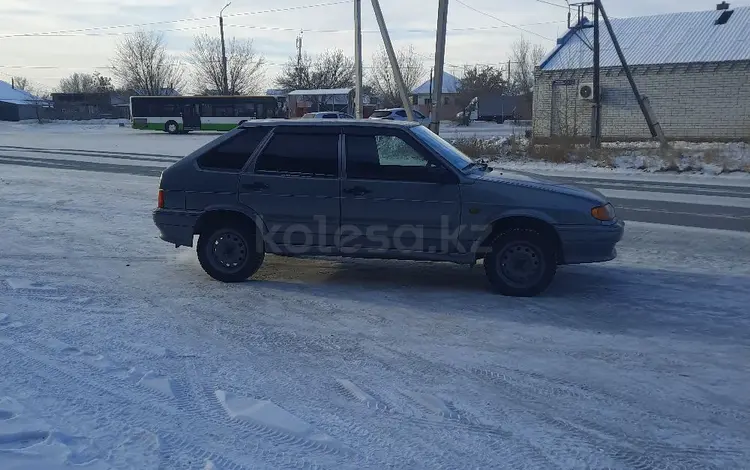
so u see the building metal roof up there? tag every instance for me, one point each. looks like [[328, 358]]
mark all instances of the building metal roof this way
[[450, 85], [324, 92], [675, 38], [11, 95]]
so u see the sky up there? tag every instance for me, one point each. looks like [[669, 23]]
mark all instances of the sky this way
[[479, 31]]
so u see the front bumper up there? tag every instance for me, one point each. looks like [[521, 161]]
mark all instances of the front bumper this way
[[176, 227], [590, 243]]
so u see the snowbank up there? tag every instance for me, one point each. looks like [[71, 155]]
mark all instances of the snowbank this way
[[710, 158]]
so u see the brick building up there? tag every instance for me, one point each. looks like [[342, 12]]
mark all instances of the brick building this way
[[694, 67]]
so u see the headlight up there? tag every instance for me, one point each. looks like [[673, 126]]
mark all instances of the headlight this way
[[604, 213]]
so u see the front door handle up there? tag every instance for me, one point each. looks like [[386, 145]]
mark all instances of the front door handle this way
[[357, 191], [257, 186]]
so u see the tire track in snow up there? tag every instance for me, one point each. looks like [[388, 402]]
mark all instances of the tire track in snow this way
[[192, 393], [526, 402], [84, 151], [69, 388], [497, 437], [560, 387], [648, 458], [169, 406]]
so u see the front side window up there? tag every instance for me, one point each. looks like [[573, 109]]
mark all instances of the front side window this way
[[232, 154], [454, 156], [300, 153], [388, 157]]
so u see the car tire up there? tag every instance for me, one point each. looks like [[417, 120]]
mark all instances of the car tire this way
[[231, 252], [172, 127], [521, 263]]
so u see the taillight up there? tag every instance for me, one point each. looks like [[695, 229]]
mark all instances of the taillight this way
[[160, 199]]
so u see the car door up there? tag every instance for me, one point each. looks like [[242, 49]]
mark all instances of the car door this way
[[396, 195], [294, 185]]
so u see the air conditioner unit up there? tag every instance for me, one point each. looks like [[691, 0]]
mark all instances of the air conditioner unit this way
[[586, 91]]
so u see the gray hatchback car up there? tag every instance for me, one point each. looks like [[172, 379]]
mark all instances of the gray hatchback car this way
[[375, 189]]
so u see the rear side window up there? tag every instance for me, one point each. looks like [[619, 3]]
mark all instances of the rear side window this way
[[234, 153], [305, 154]]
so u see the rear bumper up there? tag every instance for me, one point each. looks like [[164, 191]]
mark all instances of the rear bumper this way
[[177, 227], [590, 244]]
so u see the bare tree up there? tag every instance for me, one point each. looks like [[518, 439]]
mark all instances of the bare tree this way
[[142, 64], [525, 57], [478, 80], [21, 83], [331, 69], [85, 83], [245, 67], [381, 77]]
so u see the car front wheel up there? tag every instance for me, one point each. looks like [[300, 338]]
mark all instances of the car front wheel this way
[[231, 252], [521, 263]]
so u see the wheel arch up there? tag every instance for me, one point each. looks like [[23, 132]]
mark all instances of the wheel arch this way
[[221, 214], [519, 221]]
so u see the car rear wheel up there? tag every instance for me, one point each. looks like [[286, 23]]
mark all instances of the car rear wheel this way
[[231, 252], [521, 263]]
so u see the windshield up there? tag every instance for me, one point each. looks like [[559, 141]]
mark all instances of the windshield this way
[[438, 144], [379, 114]]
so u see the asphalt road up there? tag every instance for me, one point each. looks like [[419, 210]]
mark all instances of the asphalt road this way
[[694, 205]]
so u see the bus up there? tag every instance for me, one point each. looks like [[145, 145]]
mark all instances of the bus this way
[[182, 114]]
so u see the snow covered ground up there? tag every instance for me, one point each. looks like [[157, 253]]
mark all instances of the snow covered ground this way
[[118, 352]]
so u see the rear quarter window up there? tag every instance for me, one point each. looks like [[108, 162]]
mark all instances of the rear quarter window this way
[[234, 153]]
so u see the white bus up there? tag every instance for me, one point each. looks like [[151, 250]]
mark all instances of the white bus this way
[[182, 114]]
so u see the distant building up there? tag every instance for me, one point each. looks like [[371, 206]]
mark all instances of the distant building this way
[[17, 105], [82, 106], [422, 97], [692, 66]]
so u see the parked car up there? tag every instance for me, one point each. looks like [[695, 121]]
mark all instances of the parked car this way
[[327, 115], [399, 114], [374, 189]]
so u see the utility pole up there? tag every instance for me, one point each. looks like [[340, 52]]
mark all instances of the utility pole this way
[[437, 92], [392, 58], [358, 59], [596, 109], [653, 125], [298, 45], [224, 77], [432, 77]]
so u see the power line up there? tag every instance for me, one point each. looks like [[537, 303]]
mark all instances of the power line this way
[[154, 23], [502, 21], [375, 31], [565, 7], [288, 29]]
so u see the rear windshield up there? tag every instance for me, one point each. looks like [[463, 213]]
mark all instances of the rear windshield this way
[[308, 116], [380, 114]]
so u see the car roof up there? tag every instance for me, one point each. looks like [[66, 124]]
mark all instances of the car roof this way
[[338, 122]]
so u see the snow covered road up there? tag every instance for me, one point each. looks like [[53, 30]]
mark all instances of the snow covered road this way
[[718, 202], [120, 353]]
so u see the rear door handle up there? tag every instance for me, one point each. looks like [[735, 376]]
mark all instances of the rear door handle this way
[[257, 186], [357, 190]]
